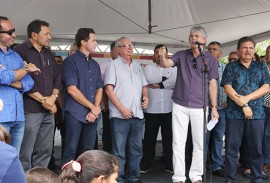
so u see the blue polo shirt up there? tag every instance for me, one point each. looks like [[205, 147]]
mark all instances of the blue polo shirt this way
[[245, 81], [86, 75]]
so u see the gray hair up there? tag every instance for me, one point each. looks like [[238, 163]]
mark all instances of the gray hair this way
[[199, 29], [118, 41]]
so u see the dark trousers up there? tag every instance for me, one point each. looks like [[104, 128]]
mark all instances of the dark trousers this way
[[106, 135], [79, 138], [252, 132], [152, 124]]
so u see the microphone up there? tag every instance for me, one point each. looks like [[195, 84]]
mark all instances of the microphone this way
[[198, 43]]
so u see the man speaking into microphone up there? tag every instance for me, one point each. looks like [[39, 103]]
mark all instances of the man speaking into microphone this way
[[188, 102]]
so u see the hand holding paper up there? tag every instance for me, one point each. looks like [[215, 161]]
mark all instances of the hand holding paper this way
[[211, 124]]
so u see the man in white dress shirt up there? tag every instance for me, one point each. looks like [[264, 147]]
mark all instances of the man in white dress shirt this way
[[159, 112]]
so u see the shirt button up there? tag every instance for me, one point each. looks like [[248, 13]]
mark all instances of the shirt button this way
[[90, 79]]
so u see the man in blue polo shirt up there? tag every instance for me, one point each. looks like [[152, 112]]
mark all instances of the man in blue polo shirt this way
[[245, 81], [81, 79]]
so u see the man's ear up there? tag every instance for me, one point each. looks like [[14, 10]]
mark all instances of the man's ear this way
[[101, 179]]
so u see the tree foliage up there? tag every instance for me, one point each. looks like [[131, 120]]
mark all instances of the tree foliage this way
[[260, 49]]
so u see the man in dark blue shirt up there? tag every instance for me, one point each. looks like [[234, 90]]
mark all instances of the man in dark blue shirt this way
[[245, 81], [81, 79]]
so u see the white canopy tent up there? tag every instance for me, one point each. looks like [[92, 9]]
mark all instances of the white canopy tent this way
[[224, 20]]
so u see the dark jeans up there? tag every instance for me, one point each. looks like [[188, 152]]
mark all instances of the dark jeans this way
[[152, 124], [106, 135], [252, 132], [127, 137], [79, 138]]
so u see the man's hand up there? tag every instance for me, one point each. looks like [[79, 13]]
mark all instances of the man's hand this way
[[126, 113], [145, 102], [48, 102], [32, 68], [95, 110], [241, 100], [247, 112], [90, 117], [53, 109], [162, 51], [214, 114], [153, 86]]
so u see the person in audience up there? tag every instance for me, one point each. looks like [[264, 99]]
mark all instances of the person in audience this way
[[161, 82], [82, 94], [11, 168], [262, 58], [126, 88], [233, 56], [39, 102], [41, 175], [93, 166], [73, 48], [188, 102], [217, 133], [14, 81], [266, 138], [245, 81], [106, 135]]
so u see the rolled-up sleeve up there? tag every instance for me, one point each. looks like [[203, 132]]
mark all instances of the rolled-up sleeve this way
[[6, 76]]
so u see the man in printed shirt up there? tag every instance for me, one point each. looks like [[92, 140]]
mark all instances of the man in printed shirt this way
[[245, 81], [14, 81]]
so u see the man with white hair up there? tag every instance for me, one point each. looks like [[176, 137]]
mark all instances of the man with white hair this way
[[188, 102]]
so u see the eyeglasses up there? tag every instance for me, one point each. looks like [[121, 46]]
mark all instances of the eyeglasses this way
[[127, 46], [232, 59], [195, 66], [9, 32]]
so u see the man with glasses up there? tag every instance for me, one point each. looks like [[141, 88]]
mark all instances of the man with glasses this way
[[217, 133], [14, 81], [188, 102], [126, 88], [39, 102], [233, 56]]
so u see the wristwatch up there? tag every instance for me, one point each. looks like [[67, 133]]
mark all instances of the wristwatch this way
[[26, 68], [245, 105]]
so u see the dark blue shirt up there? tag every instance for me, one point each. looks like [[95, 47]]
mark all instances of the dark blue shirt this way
[[245, 81], [86, 76]]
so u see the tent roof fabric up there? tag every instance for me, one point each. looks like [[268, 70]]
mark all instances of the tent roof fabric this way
[[224, 21]]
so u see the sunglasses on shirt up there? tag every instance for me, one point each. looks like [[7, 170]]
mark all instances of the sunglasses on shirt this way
[[9, 32]]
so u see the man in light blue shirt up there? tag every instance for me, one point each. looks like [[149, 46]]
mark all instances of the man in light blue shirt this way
[[14, 81], [126, 88]]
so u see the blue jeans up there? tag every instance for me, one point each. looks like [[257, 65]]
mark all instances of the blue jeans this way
[[266, 139], [16, 130], [127, 137], [217, 134]]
